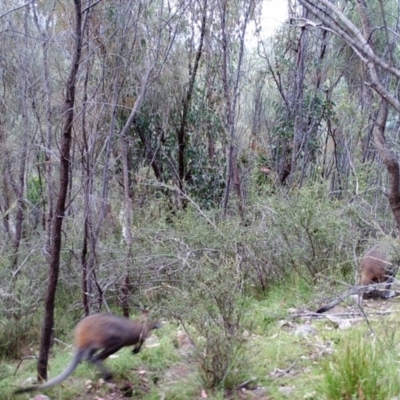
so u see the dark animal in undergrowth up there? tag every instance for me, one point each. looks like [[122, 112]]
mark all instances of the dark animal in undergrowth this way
[[378, 265]]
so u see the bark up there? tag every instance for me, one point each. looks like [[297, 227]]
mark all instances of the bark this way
[[389, 159], [65, 146], [228, 106], [87, 185], [87, 257], [85, 269], [154, 67]]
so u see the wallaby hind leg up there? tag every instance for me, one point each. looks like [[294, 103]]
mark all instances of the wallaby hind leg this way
[[97, 360], [105, 372], [137, 348]]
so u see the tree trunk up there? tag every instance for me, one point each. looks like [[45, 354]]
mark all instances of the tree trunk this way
[[230, 84], [181, 134], [389, 159], [47, 139], [20, 217], [65, 146]]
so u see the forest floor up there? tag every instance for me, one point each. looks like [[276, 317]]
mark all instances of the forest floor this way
[[286, 356]]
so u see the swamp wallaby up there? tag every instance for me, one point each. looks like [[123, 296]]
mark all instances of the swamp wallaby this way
[[377, 265], [105, 332]]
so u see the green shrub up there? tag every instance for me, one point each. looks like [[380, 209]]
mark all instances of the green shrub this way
[[211, 309], [307, 233]]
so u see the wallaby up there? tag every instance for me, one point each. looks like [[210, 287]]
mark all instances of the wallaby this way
[[105, 332], [376, 266]]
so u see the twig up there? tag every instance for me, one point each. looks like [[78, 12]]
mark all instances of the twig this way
[[344, 314], [245, 383], [22, 359], [61, 342], [285, 371]]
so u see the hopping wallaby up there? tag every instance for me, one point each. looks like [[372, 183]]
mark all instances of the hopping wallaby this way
[[376, 266], [105, 332]]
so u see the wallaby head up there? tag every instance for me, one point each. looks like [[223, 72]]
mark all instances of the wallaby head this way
[[97, 337]]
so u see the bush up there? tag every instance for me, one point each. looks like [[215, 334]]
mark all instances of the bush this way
[[306, 233], [210, 308]]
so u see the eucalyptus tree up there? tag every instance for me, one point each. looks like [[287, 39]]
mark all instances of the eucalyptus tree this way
[[234, 19], [183, 174], [64, 182], [369, 29], [303, 70]]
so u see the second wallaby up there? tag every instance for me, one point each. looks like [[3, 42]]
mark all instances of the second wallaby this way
[[376, 266], [96, 338]]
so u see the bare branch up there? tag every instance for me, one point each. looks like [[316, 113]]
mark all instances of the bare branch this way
[[16, 9], [91, 6], [348, 32], [356, 40]]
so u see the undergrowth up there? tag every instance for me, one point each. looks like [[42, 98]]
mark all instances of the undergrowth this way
[[228, 283], [362, 367]]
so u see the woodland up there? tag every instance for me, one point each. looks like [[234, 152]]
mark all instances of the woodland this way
[[168, 155]]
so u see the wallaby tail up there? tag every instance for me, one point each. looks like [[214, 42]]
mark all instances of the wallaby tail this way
[[78, 357]]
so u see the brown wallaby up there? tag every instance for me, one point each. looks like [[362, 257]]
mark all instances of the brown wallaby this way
[[376, 266], [105, 332]]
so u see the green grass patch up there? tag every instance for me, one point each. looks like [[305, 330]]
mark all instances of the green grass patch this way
[[285, 357], [362, 367]]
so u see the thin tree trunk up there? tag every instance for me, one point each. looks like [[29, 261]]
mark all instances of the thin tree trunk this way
[[47, 141], [181, 135], [389, 159], [87, 258], [231, 94], [125, 296], [22, 162], [65, 162], [5, 198], [298, 129]]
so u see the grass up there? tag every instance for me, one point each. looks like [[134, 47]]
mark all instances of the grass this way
[[363, 368], [286, 358]]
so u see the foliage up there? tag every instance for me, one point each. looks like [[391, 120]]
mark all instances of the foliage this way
[[306, 232], [20, 308], [361, 368], [195, 265], [212, 306]]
